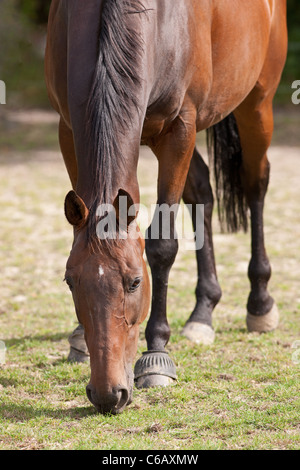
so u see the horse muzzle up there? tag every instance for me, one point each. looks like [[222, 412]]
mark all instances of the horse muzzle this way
[[113, 401]]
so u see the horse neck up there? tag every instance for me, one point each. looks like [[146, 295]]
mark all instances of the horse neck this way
[[108, 98]]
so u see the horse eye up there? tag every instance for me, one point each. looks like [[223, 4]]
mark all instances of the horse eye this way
[[135, 284]]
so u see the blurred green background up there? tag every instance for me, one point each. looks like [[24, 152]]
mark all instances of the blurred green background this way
[[22, 41]]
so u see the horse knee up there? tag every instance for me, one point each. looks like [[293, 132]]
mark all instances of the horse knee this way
[[161, 253]]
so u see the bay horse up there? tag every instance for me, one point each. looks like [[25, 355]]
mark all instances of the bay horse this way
[[121, 73]]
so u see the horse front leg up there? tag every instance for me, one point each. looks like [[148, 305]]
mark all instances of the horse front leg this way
[[78, 348], [198, 328], [174, 151]]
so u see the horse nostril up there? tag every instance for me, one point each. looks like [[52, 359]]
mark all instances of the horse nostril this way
[[89, 393], [123, 396]]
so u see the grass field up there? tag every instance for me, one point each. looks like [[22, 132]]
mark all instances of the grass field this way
[[240, 393]]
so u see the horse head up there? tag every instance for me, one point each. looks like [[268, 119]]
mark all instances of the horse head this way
[[111, 292]]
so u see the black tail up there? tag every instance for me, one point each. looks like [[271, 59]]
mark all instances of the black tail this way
[[225, 153]]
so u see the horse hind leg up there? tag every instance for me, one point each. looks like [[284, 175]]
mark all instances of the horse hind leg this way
[[255, 125], [197, 190]]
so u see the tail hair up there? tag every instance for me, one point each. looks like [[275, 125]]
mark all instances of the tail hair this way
[[225, 155]]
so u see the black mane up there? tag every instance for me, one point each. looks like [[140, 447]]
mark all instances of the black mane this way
[[113, 95]]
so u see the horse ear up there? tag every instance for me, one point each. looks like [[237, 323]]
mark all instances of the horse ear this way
[[75, 210], [125, 209]]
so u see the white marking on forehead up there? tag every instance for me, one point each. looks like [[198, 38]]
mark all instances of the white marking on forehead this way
[[101, 271]]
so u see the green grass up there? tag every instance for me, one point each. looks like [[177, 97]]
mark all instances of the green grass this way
[[240, 393]]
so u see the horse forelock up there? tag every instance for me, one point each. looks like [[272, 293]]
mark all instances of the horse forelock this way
[[113, 96]]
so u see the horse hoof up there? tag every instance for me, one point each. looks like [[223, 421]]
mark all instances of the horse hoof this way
[[78, 348], [263, 323], [199, 333], [153, 369], [77, 356]]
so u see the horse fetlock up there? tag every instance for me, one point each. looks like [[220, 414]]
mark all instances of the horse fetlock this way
[[208, 293], [259, 302]]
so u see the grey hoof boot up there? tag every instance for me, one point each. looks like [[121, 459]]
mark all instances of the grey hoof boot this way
[[78, 348], [153, 369]]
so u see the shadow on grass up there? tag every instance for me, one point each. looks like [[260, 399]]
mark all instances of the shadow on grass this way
[[21, 413], [15, 342]]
